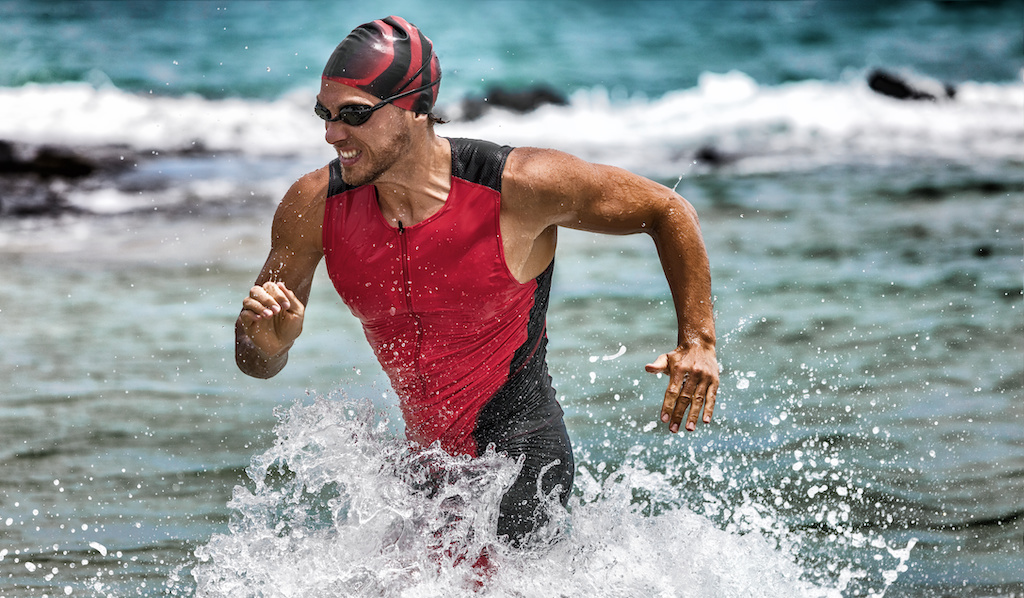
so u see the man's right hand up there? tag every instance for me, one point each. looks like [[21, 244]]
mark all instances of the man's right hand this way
[[272, 318]]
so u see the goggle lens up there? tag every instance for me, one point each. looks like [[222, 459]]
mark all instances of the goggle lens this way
[[352, 115], [356, 114]]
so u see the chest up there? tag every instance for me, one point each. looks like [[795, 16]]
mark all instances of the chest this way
[[450, 266]]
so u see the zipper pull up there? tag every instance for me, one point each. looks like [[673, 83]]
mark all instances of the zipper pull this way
[[401, 229]]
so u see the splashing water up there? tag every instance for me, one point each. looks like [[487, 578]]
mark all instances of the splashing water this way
[[341, 507]]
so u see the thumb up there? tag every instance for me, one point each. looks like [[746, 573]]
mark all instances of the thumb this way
[[660, 365]]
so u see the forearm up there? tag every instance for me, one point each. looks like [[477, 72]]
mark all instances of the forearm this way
[[684, 260]]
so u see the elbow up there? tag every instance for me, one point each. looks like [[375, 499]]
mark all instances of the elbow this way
[[677, 216], [685, 210], [246, 367], [255, 368], [250, 362]]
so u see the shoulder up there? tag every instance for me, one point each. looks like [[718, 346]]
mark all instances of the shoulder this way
[[300, 215], [481, 162], [308, 193], [310, 189]]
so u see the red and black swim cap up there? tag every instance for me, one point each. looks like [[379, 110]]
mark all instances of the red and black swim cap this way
[[385, 58]]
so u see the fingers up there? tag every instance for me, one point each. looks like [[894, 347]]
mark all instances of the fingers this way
[[268, 300], [709, 405], [678, 393], [681, 396], [699, 399], [691, 392], [673, 407]]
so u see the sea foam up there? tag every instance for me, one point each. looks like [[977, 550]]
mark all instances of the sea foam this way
[[339, 506], [755, 127]]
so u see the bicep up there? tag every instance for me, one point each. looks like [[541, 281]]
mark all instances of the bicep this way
[[570, 192], [615, 201], [295, 246]]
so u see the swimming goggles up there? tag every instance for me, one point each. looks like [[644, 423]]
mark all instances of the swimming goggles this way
[[357, 114]]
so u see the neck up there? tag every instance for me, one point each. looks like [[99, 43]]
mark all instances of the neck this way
[[417, 187]]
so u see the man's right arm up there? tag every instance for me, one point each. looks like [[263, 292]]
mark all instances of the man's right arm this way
[[272, 313]]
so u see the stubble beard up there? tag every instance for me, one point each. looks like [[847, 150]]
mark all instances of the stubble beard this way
[[387, 155]]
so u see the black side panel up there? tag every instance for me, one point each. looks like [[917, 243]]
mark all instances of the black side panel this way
[[480, 162], [336, 184], [526, 402], [523, 418]]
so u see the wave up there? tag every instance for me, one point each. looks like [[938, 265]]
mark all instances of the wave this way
[[726, 119], [150, 154], [339, 506]]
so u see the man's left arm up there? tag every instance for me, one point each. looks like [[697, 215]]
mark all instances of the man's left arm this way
[[692, 366], [555, 188]]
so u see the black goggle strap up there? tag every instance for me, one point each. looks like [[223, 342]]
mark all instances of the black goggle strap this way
[[413, 78], [357, 111], [409, 93]]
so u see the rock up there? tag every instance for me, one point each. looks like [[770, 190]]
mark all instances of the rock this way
[[520, 101], [34, 180], [894, 86], [712, 156], [45, 161], [24, 196]]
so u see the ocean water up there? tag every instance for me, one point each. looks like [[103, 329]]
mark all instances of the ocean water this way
[[867, 261]]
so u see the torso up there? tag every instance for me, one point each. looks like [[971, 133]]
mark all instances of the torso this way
[[528, 246], [447, 317]]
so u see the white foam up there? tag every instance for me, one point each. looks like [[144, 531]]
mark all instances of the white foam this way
[[98, 548], [338, 503], [79, 114], [769, 128]]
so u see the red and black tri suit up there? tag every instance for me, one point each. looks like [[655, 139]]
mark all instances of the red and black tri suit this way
[[462, 340]]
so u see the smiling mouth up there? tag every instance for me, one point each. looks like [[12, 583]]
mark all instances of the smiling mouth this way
[[348, 154]]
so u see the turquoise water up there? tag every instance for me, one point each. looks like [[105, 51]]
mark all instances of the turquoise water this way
[[260, 49], [866, 260]]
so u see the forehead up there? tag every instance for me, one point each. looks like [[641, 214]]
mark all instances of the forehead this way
[[333, 93]]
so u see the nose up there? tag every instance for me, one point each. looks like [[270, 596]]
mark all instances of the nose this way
[[335, 132]]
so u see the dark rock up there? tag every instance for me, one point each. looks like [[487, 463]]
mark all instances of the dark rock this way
[[894, 86], [25, 196], [712, 156], [44, 161], [520, 101], [6, 152], [35, 179]]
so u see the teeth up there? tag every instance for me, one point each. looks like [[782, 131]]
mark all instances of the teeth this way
[[348, 154]]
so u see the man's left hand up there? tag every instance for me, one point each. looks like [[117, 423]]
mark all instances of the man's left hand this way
[[692, 384]]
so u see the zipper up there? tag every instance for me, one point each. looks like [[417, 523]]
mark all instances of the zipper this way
[[403, 248]]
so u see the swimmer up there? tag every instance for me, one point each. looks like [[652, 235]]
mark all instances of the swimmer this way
[[444, 249]]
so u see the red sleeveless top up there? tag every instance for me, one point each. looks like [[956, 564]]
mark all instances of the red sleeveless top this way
[[448, 322]]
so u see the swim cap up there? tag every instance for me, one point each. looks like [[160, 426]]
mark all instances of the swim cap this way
[[386, 57]]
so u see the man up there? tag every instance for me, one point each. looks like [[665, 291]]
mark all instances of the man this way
[[444, 249]]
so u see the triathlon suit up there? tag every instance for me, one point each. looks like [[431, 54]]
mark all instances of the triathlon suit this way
[[462, 341]]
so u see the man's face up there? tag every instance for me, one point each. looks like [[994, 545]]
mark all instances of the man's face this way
[[369, 150]]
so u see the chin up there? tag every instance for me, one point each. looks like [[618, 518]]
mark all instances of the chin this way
[[356, 178]]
